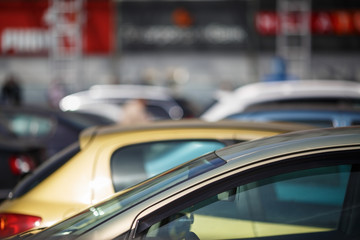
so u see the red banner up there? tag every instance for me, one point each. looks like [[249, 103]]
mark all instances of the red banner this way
[[25, 27], [266, 23], [323, 22], [356, 20], [342, 22]]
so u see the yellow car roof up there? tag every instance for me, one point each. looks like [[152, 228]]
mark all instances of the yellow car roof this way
[[87, 134]]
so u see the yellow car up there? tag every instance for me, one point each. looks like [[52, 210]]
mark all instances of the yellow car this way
[[109, 159], [295, 186]]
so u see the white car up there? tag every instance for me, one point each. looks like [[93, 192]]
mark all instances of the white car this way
[[107, 100], [333, 92]]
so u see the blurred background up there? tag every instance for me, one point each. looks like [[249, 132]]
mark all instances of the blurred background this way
[[58, 47]]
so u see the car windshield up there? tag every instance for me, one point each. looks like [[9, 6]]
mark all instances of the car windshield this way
[[99, 213], [305, 117], [318, 117]]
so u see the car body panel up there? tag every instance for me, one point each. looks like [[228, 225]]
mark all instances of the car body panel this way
[[85, 179]]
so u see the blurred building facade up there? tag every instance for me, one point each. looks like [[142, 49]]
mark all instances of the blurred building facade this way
[[196, 47]]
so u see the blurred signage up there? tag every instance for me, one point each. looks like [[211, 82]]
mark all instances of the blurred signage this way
[[266, 23], [25, 27], [357, 21], [322, 23], [339, 22], [182, 25], [343, 23]]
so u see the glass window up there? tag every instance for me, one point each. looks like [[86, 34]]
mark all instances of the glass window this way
[[355, 122], [84, 119], [133, 164], [157, 112], [304, 117], [26, 125], [315, 122], [300, 202]]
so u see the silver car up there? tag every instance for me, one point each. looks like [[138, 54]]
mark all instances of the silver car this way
[[301, 185]]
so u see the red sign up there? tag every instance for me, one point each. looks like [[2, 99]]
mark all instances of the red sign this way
[[324, 22], [182, 18], [266, 23], [269, 23], [321, 23], [99, 29], [25, 27], [342, 22], [356, 19]]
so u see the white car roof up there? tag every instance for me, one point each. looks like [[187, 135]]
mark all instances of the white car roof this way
[[97, 93], [259, 92], [104, 99], [130, 91]]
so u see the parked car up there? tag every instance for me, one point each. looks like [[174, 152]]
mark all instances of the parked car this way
[[320, 115], [53, 128], [301, 185], [332, 93], [109, 159], [108, 100], [17, 158]]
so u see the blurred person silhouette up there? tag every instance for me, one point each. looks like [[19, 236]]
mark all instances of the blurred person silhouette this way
[[134, 112], [279, 71], [11, 93], [56, 91]]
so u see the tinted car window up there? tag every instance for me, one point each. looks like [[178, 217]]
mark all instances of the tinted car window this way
[[133, 164], [330, 101], [157, 112], [84, 120], [315, 122], [355, 122], [299, 202], [313, 113], [304, 117], [28, 125]]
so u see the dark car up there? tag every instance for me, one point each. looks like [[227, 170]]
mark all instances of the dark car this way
[[29, 135], [52, 128], [17, 159]]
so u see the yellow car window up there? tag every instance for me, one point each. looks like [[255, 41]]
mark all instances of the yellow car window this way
[[136, 163]]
